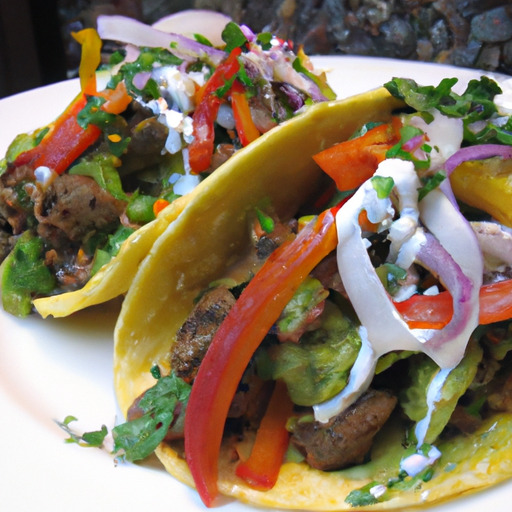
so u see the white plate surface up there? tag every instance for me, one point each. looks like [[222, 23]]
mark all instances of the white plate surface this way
[[52, 368]]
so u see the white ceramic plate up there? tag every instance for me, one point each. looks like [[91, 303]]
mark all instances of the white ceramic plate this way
[[52, 368]]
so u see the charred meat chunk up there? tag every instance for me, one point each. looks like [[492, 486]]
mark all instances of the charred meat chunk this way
[[348, 437], [195, 335], [74, 207]]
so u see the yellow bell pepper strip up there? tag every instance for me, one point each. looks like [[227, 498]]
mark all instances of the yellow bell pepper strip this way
[[487, 185], [234, 343], [244, 124], [261, 469], [90, 59], [200, 151], [435, 311], [352, 162]]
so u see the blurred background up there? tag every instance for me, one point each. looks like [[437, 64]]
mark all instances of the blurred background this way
[[36, 47]]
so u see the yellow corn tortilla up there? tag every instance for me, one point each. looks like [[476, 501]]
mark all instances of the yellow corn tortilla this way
[[206, 240]]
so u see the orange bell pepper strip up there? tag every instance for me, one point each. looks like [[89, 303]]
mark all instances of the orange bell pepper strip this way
[[261, 469], [352, 162], [435, 311], [244, 124], [200, 151], [236, 340]]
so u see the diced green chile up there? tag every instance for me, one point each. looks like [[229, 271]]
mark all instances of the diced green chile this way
[[309, 294], [25, 275], [102, 169], [414, 398], [317, 367], [111, 248]]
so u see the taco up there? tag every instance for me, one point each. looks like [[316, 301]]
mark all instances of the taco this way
[[325, 352], [158, 117]]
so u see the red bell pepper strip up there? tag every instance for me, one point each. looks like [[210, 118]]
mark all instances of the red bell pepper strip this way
[[236, 340], [352, 162], [244, 124], [261, 469], [200, 151], [65, 142], [435, 311]]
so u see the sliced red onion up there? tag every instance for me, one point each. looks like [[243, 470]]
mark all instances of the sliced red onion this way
[[413, 143], [447, 346], [248, 33], [130, 31], [480, 152], [284, 72], [141, 79], [451, 228]]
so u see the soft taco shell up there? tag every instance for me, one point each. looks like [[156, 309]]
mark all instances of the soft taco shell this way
[[208, 237]]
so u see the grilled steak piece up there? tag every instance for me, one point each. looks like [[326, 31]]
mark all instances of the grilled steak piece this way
[[74, 207], [195, 335], [348, 437]]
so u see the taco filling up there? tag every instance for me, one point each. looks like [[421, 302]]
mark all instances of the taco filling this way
[[355, 353], [172, 111]]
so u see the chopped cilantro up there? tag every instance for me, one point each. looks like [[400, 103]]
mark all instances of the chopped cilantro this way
[[93, 114], [266, 222], [203, 40], [138, 438], [233, 36], [93, 439], [474, 104], [145, 62], [431, 183], [265, 40], [362, 497]]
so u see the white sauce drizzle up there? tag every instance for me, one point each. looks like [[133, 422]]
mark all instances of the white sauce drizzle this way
[[434, 391], [417, 462], [371, 301]]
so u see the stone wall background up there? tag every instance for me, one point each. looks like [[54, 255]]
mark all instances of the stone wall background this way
[[468, 33], [36, 47]]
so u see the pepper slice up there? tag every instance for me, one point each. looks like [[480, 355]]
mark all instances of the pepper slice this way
[[200, 151], [487, 185], [435, 311], [261, 469], [250, 319], [352, 162], [245, 127], [65, 142]]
